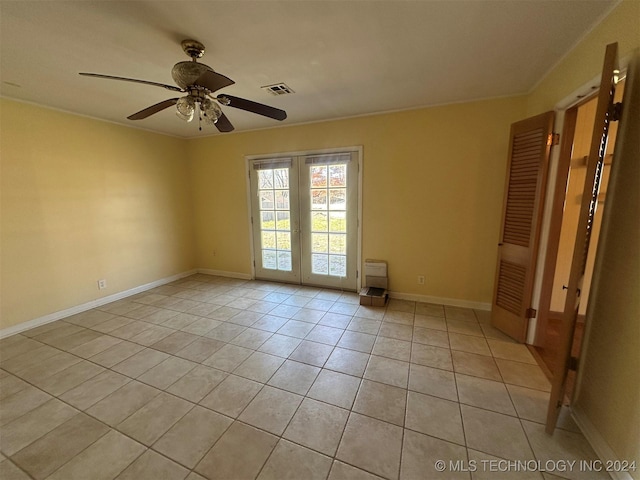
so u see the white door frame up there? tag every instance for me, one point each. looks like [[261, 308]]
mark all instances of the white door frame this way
[[357, 150]]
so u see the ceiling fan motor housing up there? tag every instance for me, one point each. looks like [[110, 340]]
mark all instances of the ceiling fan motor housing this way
[[186, 73]]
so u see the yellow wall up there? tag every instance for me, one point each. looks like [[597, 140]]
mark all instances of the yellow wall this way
[[432, 192], [84, 200]]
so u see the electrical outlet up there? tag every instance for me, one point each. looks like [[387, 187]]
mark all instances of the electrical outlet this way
[[420, 279], [102, 284]]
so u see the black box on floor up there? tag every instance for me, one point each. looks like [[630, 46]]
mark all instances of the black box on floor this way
[[373, 296]]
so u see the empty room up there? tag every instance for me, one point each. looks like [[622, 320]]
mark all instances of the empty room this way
[[320, 239]]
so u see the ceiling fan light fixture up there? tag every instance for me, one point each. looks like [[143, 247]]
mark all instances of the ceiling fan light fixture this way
[[186, 73], [185, 108], [211, 110]]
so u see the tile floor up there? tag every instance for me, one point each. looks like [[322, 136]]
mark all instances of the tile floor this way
[[217, 378]]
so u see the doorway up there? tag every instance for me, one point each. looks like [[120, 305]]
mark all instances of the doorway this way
[[304, 218], [572, 166]]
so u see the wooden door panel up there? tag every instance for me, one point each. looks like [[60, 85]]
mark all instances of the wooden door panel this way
[[523, 203], [595, 163]]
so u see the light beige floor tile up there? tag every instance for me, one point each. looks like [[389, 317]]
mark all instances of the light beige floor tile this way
[[21, 402], [347, 361], [201, 349], [317, 425], [130, 330], [152, 335], [483, 393], [294, 377], [112, 324], [239, 454], [381, 401], [372, 313], [271, 410], [95, 346], [421, 452], [293, 462], [26, 360], [259, 367], [270, 323], [364, 325], [342, 471], [192, 437], [435, 417], [10, 385], [74, 340], [153, 466], [335, 388], [489, 467], [251, 338], [392, 348], [469, 343], [459, 313], [491, 332], [180, 321], [167, 372], [372, 445], [324, 305], [151, 421], [197, 383], [394, 330], [116, 354], [232, 395], [62, 329], [39, 373], [246, 318], [430, 309], [228, 358], [495, 434], [92, 391], [311, 353], [140, 362], [89, 318], [16, 345], [335, 320], [433, 381], [343, 308], [399, 317], [325, 334], [31, 426], [398, 305], [523, 374], [433, 322], [387, 370], [195, 476], [128, 399], [202, 326], [103, 460], [475, 365], [431, 356], [295, 328], [464, 327], [511, 351], [361, 342], [562, 446], [280, 345], [9, 471], [175, 342], [430, 336], [70, 377], [50, 452], [225, 332]]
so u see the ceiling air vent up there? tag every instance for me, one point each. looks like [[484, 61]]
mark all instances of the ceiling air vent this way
[[278, 89]]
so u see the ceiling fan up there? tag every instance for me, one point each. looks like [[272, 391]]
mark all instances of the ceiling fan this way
[[199, 82]]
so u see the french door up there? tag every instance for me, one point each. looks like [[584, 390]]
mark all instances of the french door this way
[[304, 216]]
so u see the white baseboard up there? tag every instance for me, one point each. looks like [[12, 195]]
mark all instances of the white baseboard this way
[[223, 273], [52, 317], [452, 302], [599, 444]]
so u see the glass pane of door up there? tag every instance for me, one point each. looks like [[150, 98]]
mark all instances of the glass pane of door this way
[[328, 187], [274, 214]]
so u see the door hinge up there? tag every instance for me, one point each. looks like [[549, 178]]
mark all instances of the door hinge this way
[[615, 111], [553, 139], [573, 364], [531, 312]]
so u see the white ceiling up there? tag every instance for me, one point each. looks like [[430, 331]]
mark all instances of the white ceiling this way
[[342, 58]]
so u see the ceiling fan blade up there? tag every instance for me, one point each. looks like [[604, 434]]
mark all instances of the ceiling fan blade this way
[[147, 112], [155, 84], [254, 107], [223, 124], [213, 81]]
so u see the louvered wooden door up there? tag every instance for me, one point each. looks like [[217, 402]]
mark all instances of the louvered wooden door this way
[[530, 144]]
